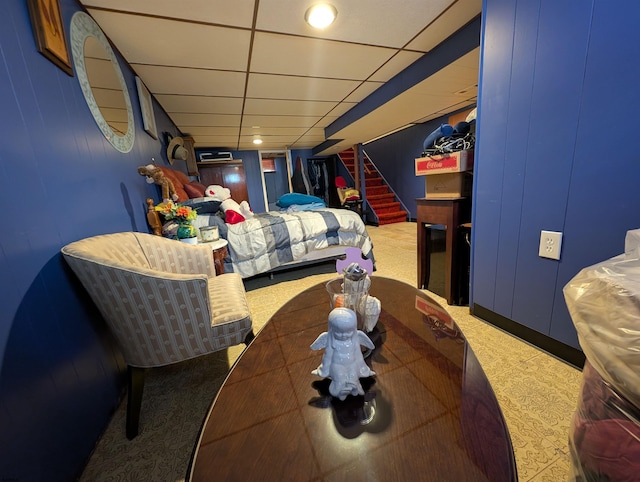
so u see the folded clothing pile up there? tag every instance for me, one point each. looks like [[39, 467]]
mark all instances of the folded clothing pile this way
[[447, 138]]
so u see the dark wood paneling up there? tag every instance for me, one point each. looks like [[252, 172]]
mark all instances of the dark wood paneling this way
[[229, 175]]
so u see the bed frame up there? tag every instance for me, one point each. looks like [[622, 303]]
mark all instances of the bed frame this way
[[330, 254]]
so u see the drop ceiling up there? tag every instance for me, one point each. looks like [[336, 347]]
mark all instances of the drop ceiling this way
[[227, 72]]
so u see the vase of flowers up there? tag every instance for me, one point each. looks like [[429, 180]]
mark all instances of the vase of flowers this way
[[183, 215]]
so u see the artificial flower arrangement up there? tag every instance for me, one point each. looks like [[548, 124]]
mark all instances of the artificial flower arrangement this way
[[181, 214]]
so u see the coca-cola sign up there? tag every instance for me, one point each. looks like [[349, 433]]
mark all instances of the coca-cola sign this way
[[454, 162]]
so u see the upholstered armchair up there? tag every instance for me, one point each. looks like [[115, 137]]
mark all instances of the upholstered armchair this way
[[162, 301]]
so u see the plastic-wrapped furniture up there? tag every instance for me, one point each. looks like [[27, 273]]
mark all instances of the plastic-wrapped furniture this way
[[604, 303], [161, 300]]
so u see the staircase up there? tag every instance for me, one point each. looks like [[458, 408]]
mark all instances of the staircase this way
[[380, 198]]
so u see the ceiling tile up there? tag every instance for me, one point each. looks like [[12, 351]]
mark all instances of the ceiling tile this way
[[287, 107], [173, 80], [212, 131], [209, 11], [200, 104], [282, 140], [370, 22], [279, 121], [226, 142], [284, 54], [154, 41], [284, 131], [269, 86], [216, 120]]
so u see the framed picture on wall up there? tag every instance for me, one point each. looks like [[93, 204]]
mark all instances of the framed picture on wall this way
[[146, 106], [48, 29]]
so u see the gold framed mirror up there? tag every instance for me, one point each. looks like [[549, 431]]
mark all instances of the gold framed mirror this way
[[102, 82]]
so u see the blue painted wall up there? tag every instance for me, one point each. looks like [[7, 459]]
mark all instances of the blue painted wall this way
[[548, 152], [60, 180]]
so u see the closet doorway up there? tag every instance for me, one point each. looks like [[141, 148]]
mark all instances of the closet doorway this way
[[275, 167], [322, 173]]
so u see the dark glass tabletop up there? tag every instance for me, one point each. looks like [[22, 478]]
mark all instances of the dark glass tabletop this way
[[429, 413]]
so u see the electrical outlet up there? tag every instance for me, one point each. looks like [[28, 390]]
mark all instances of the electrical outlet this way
[[550, 244]]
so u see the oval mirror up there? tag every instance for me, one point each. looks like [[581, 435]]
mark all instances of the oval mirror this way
[[102, 82]]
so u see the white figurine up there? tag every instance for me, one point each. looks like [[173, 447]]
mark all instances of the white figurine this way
[[371, 313], [342, 360]]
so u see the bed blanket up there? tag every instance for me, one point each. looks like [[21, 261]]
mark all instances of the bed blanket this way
[[269, 240]]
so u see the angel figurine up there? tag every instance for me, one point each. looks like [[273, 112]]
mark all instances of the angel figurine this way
[[342, 361]]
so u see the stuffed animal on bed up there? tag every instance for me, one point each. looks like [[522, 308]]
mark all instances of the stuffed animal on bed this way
[[234, 213], [155, 175]]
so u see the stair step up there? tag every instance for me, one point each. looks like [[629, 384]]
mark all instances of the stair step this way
[[367, 175], [386, 197], [390, 218], [373, 181], [377, 190], [385, 208]]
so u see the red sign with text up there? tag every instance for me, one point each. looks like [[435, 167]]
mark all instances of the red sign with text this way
[[455, 162]]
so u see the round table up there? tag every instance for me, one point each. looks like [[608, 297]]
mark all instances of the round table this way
[[429, 413]]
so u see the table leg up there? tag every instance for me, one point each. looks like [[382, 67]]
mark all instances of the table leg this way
[[450, 240], [218, 259], [423, 259]]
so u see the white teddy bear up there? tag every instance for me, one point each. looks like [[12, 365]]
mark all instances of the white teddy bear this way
[[234, 213]]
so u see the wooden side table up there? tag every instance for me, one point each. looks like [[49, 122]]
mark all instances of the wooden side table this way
[[219, 249], [450, 212]]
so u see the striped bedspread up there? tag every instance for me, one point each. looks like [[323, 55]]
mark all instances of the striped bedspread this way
[[269, 240]]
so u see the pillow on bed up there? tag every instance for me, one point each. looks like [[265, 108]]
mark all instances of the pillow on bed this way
[[288, 199], [195, 189], [203, 205]]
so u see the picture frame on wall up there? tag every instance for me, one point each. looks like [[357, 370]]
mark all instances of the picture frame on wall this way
[[49, 32], [146, 106]]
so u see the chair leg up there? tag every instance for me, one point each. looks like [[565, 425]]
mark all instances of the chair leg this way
[[134, 400], [250, 336]]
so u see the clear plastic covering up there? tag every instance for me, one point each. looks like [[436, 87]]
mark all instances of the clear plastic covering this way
[[604, 303], [604, 437]]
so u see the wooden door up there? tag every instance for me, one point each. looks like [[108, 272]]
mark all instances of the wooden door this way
[[229, 175]]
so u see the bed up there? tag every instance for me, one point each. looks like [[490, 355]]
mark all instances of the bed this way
[[272, 241]]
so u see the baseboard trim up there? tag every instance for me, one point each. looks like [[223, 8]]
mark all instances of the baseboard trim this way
[[560, 350]]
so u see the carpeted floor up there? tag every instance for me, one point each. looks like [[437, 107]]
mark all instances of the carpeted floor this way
[[537, 392]]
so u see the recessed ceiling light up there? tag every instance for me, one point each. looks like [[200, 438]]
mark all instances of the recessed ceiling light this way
[[321, 15], [257, 141]]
